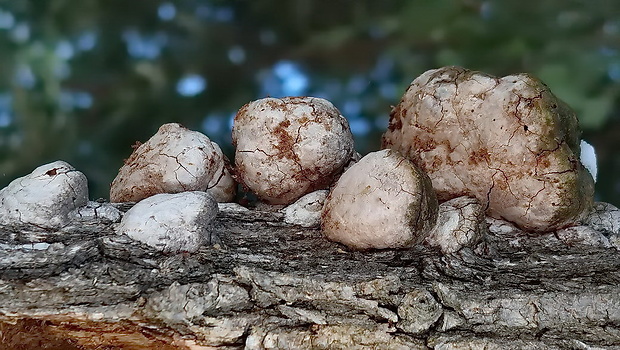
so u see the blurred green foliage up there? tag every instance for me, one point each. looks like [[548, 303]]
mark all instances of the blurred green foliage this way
[[83, 80]]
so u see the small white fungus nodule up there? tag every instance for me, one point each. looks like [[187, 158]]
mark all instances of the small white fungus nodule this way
[[171, 223], [174, 160], [461, 223], [588, 158], [45, 197], [95, 211], [287, 147], [382, 201], [306, 211]]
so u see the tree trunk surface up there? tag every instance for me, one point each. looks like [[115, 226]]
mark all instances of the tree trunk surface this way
[[264, 284]]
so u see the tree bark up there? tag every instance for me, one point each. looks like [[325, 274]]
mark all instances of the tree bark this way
[[263, 284]]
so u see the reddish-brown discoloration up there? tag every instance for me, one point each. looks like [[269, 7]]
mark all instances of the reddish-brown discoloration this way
[[173, 160], [291, 146], [506, 141], [75, 332]]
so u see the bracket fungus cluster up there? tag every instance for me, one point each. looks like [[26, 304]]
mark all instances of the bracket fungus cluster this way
[[53, 199], [509, 142]]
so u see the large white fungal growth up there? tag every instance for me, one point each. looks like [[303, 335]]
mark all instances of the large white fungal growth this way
[[174, 160], [507, 141], [382, 201], [171, 223], [287, 147], [44, 197]]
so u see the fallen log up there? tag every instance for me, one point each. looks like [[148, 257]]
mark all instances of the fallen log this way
[[261, 283]]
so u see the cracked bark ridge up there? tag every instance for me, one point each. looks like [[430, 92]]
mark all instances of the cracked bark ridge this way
[[95, 213], [418, 311], [382, 201], [174, 160], [507, 141], [288, 147], [266, 284], [605, 218], [45, 197], [171, 223]]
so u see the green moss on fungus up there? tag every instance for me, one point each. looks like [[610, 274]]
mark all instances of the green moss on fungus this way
[[509, 142], [382, 201]]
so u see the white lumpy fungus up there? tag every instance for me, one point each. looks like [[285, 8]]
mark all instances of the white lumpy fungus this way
[[171, 223], [45, 197], [382, 201], [509, 142], [288, 147], [588, 158], [306, 211], [174, 160], [461, 223]]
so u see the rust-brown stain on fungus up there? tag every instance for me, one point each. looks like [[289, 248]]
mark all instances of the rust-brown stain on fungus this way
[[480, 155], [396, 122], [285, 142], [292, 146], [526, 159]]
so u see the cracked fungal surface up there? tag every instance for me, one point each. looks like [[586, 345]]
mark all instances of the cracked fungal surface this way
[[287, 147], [507, 141], [461, 223], [45, 197], [174, 160], [382, 201], [306, 211], [171, 223]]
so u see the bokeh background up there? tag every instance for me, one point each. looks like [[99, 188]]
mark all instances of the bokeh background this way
[[83, 80]]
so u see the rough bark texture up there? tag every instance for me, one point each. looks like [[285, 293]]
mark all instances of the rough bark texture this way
[[261, 283]]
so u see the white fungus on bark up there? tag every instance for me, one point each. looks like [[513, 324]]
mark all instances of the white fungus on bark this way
[[382, 201], [96, 212], [461, 223], [507, 141], [45, 197], [605, 218], [287, 147], [174, 160], [171, 223], [588, 158], [306, 211], [583, 235]]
